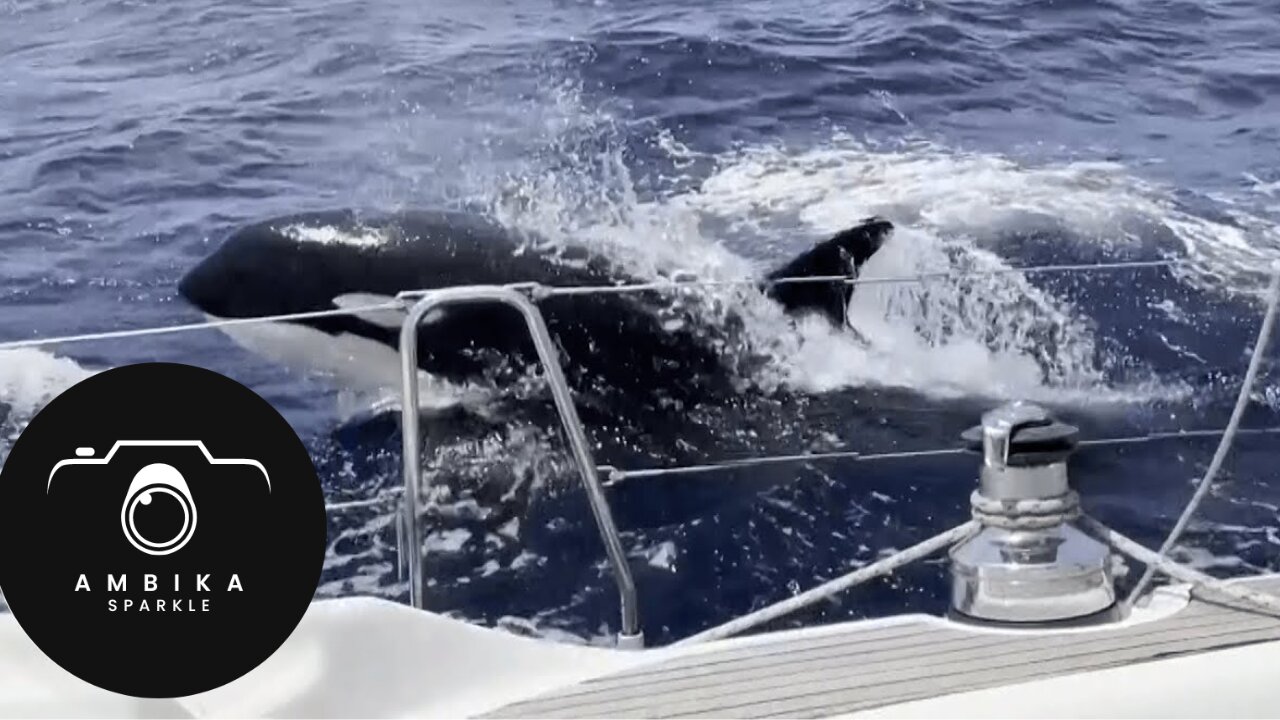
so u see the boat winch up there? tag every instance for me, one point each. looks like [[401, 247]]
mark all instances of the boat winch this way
[[1029, 563]]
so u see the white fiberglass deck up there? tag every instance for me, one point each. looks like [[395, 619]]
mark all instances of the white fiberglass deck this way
[[365, 657], [865, 667]]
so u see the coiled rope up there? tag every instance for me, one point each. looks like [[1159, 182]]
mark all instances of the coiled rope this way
[[1029, 514]]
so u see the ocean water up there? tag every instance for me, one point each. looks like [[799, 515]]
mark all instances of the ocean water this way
[[718, 138]]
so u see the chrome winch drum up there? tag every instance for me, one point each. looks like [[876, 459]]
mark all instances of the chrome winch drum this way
[[1029, 563]]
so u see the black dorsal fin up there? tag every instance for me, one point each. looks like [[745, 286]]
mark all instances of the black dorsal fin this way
[[841, 255]]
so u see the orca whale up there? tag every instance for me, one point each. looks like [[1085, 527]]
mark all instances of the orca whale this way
[[620, 343]]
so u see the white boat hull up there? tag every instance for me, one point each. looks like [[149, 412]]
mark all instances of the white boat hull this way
[[373, 658]]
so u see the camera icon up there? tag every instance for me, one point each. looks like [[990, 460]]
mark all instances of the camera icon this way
[[158, 515], [146, 488]]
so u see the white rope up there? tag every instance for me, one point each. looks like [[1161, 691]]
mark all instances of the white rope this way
[[539, 292], [1263, 601], [832, 587], [1220, 455], [1028, 514]]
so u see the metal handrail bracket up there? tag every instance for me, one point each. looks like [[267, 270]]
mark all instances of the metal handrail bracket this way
[[630, 634]]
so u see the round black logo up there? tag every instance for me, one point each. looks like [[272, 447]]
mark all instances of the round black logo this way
[[163, 530]]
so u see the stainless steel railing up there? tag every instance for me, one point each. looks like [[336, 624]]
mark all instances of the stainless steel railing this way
[[630, 634]]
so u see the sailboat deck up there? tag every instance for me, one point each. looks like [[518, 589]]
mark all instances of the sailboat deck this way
[[860, 667]]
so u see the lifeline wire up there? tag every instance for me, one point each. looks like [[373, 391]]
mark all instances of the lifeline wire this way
[[618, 475], [142, 332], [552, 291], [542, 291]]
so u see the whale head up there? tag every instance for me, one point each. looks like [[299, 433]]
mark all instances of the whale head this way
[[794, 287]]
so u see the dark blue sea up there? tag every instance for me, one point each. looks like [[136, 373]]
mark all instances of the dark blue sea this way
[[719, 138]]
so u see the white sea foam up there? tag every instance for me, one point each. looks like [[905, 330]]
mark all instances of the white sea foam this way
[[30, 378], [996, 334]]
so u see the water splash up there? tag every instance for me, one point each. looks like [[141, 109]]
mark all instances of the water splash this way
[[30, 378], [721, 215], [982, 196]]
